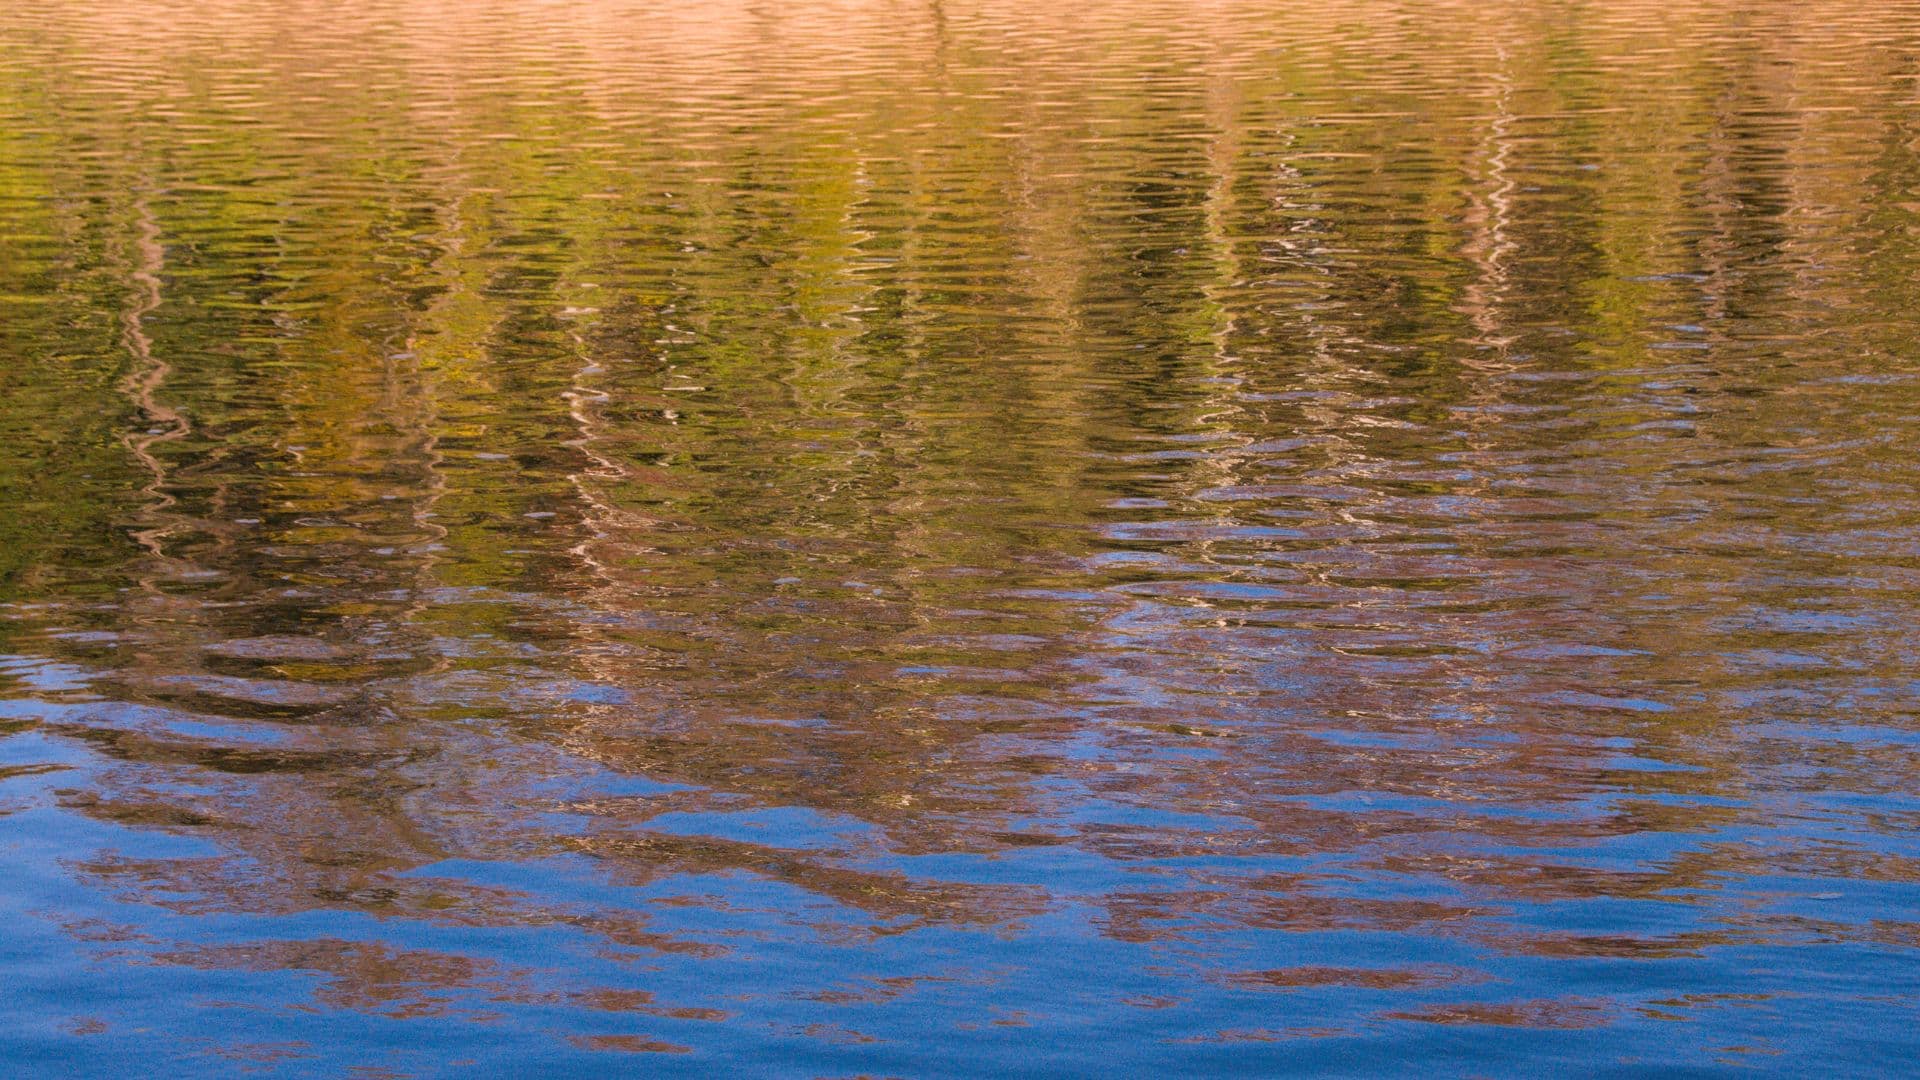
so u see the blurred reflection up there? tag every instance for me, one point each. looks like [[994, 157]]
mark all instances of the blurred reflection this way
[[861, 535]]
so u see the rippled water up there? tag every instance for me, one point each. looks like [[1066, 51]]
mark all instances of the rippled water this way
[[1143, 537]]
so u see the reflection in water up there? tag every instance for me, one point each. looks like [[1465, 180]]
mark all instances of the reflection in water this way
[[877, 538]]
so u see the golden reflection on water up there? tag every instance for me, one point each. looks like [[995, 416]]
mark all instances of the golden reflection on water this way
[[879, 534]]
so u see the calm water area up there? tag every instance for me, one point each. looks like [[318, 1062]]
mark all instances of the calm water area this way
[[944, 538]]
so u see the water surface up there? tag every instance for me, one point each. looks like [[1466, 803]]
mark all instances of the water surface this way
[[1171, 537]]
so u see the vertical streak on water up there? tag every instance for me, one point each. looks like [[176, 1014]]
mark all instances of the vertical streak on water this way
[[147, 375], [424, 424], [1490, 248]]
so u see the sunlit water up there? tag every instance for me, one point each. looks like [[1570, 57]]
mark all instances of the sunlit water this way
[[959, 538]]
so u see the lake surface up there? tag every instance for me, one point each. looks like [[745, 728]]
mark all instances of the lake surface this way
[[1146, 537]]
